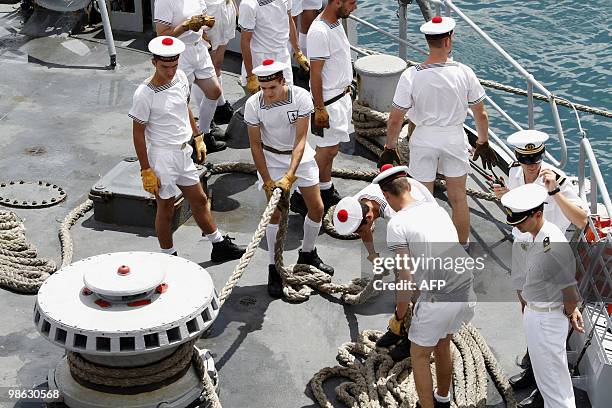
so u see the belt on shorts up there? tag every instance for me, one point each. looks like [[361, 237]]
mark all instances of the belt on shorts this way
[[171, 147], [544, 309], [273, 150], [336, 98]]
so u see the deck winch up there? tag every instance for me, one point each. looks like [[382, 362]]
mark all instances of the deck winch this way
[[128, 321]]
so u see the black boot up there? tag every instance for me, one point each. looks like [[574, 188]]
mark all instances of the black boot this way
[[225, 250], [534, 400], [523, 379], [388, 339], [312, 258], [401, 351], [224, 113], [330, 197], [525, 361], [217, 132], [212, 144], [275, 283], [297, 204]]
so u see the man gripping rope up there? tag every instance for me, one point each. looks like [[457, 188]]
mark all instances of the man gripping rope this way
[[162, 128], [185, 19], [277, 120], [438, 94], [424, 231]]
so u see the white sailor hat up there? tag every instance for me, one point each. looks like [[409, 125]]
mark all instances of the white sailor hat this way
[[166, 47], [348, 216], [269, 70], [438, 25], [389, 173], [528, 145], [523, 201]]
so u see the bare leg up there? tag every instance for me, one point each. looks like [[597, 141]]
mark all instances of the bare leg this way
[[324, 157], [312, 198], [455, 187], [308, 17], [217, 58], [429, 185], [163, 221], [199, 207], [444, 365], [422, 374]]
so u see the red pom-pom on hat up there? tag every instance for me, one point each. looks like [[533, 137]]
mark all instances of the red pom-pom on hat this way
[[436, 20], [386, 167], [167, 41], [342, 215], [268, 62]]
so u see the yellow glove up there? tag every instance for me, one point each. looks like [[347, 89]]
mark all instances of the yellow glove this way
[[150, 182], [302, 60], [200, 148], [321, 117], [388, 156], [196, 22], [208, 21], [396, 325], [252, 84], [285, 183], [268, 188]]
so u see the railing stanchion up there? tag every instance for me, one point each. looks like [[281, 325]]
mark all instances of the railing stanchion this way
[[530, 120], [403, 27]]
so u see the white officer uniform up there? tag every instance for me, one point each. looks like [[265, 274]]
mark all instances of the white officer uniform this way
[[195, 61], [224, 29], [531, 143], [277, 123], [328, 42], [427, 231], [550, 268], [437, 98], [164, 112], [268, 20]]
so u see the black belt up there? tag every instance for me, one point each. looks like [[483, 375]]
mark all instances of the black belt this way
[[273, 150], [337, 97]]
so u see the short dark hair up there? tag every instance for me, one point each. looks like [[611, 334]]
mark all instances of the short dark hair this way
[[396, 186], [437, 40]]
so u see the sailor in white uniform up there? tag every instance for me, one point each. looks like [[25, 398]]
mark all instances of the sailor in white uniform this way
[[277, 121], [424, 230], [549, 292], [437, 95], [303, 13], [162, 128], [563, 207], [331, 74], [266, 26], [185, 19]]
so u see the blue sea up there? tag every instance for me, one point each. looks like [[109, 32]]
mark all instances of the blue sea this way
[[564, 44]]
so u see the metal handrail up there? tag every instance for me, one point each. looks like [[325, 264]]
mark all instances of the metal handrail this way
[[597, 181]]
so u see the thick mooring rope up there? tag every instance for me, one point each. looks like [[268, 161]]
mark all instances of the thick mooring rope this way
[[375, 380], [20, 269]]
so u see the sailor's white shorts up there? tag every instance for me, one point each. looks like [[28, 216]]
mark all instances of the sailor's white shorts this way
[[282, 56], [225, 23], [307, 174], [433, 321], [438, 149], [300, 5], [173, 167], [340, 113], [196, 63]]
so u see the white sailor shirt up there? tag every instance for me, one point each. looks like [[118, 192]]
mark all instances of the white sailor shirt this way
[[277, 123], [175, 12], [268, 21]]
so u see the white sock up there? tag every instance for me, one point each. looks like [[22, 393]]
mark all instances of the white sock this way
[[311, 232], [207, 111], [168, 251], [215, 237], [271, 231], [221, 100], [440, 398], [302, 43], [196, 97], [466, 246], [326, 185]]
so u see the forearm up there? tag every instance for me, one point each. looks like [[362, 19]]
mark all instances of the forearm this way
[[316, 83], [163, 29], [394, 127], [293, 37], [482, 126], [570, 298], [572, 212], [404, 296], [192, 122], [245, 48], [141, 149]]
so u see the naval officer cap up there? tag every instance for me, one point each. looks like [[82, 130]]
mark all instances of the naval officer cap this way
[[269, 70], [528, 145], [523, 201], [348, 216], [166, 48], [438, 26], [388, 173]]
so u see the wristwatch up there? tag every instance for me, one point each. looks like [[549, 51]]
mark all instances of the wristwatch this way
[[555, 191]]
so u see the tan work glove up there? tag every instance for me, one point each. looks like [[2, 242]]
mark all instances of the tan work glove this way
[[150, 182], [285, 183], [486, 154], [396, 325], [200, 148], [321, 117], [196, 22], [252, 84], [388, 156], [269, 188], [302, 60]]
